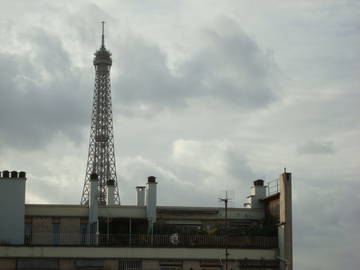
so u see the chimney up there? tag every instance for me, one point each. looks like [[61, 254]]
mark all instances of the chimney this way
[[257, 192], [110, 185], [140, 195], [12, 193], [151, 200]]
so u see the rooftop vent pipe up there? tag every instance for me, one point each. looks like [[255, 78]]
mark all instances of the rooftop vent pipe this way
[[140, 195], [257, 192], [14, 174], [151, 201], [93, 203]]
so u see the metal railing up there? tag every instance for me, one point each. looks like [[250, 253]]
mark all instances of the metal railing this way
[[272, 187], [145, 240]]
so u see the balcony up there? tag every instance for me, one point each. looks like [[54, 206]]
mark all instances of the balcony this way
[[151, 241]]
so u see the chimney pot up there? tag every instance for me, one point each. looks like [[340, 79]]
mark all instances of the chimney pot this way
[[259, 182], [5, 174], [151, 179]]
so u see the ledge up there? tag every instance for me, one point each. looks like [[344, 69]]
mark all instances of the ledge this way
[[134, 253]]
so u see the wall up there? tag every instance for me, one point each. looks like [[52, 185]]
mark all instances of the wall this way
[[116, 264], [42, 230], [135, 253], [272, 207], [285, 226]]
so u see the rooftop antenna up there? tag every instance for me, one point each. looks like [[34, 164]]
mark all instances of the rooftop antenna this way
[[102, 34], [226, 201]]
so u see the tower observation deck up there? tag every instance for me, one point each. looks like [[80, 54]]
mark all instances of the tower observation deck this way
[[101, 157]]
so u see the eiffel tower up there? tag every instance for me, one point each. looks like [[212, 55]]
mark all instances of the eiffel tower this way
[[101, 157]]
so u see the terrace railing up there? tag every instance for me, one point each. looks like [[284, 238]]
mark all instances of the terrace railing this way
[[272, 187], [155, 241]]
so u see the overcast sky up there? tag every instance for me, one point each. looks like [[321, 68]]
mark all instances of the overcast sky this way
[[207, 96]]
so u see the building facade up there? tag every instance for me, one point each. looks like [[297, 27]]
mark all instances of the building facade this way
[[146, 236]]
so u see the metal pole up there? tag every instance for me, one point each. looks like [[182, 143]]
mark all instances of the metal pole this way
[[226, 236], [226, 256], [226, 200], [130, 231], [152, 234], [107, 231]]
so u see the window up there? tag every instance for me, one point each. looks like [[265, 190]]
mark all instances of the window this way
[[170, 265], [130, 265], [56, 233], [28, 233], [93, 233], [83, 233], [170, 268]]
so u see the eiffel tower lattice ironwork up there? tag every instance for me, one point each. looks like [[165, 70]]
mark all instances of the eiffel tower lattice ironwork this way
[[101, 157]]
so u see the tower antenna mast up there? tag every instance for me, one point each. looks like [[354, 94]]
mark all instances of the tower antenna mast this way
[[102, 35]]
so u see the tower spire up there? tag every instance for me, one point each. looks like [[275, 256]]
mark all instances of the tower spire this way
[[102, 35], [101, 157]]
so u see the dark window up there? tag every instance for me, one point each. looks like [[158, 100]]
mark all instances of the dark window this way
[[28, 233], [83, 233], [130, 265], [56, 233]]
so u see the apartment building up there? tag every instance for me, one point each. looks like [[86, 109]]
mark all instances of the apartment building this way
[[145, 236]]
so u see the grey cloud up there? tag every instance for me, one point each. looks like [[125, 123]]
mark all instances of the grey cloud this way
[[145, 79], [233, 68], [42, 94], [312, 147], [172, 190], [230, 69], [325, 218], [238, 166]]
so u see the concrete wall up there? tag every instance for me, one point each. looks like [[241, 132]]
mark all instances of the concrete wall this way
[[70, 225], [111, 264], [7, 264], [12, 210], [207, 213], [195, 265], [285, 226], [135, 253], [42, 230], [163, 212], [272, 207], [150, 264], [66, 264], [146, 264], [56, 210]]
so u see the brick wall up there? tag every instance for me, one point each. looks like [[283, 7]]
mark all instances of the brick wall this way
[[8, 264], [70, 225], [66, 264], [187, 265], [42, 230], [150, 264]]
